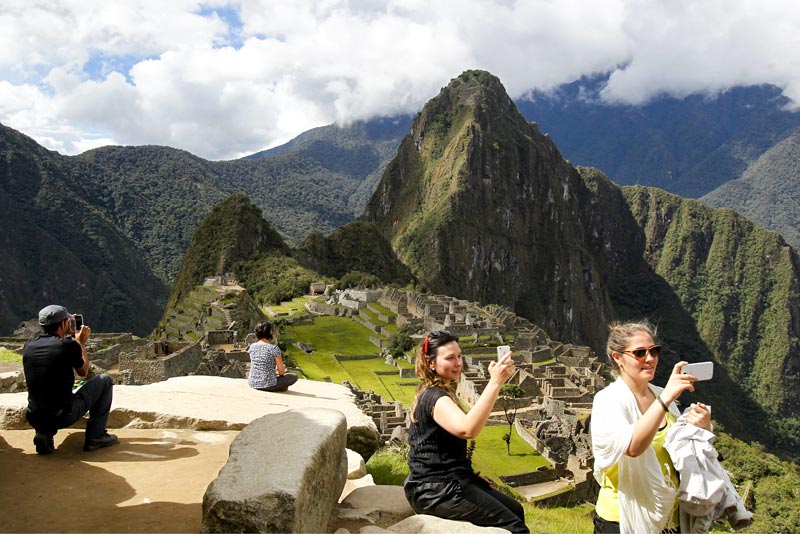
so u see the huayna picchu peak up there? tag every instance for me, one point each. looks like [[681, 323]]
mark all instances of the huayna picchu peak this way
[[480, 204]]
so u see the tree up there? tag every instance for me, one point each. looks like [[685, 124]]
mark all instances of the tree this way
[[399, 344], [509, 394]]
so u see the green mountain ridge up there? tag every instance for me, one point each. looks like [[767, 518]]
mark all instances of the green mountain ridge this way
[[59, 247], [151, 199], [768, 191]]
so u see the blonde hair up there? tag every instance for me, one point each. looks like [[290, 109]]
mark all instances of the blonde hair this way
[[426, 353], [620, 333]]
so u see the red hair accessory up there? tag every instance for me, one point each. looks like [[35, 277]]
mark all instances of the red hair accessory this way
[[425, 346]]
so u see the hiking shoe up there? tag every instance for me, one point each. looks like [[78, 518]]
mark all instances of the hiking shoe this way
[[44, 443], [106, 440]]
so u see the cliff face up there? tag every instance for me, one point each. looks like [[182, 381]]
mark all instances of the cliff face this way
[[480, 205], [740, 284]]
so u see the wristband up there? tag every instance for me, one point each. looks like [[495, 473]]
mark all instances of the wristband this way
[[661, 402]]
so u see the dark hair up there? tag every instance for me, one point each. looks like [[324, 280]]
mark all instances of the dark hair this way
[[426, 353], [264, 330], [51, 329]]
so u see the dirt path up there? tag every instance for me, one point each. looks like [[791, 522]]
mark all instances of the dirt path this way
[[152, 481]]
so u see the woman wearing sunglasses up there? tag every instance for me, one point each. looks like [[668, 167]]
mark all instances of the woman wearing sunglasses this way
[[441, 481], [630, 420]]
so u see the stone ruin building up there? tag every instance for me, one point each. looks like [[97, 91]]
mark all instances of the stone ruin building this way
[[387, 415]]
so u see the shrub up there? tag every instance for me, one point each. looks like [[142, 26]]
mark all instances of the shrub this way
[[389, 466]]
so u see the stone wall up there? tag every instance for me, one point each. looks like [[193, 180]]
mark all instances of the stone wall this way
[[109, 356], [159, 361], [543, 474], [12, 382]]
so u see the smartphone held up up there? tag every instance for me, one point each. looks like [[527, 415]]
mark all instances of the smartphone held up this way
[[502, 350], [77, 321], [700, 370]]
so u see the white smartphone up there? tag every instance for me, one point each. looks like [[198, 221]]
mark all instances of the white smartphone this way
[[701, 370], [502, 350]]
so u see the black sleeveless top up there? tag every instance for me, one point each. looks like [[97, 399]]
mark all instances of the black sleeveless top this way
[[435, 454]]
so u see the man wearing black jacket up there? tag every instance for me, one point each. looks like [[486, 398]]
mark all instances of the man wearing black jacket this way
[[49, 361]]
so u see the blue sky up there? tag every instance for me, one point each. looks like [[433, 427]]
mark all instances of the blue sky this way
[[223, 79]]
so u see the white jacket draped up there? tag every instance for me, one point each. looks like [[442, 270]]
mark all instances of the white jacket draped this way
[[646, 497]]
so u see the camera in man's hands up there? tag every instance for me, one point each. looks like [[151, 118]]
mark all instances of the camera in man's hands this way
[[77, 321]]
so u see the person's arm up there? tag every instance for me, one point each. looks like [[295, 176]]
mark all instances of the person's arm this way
[[82, 337], [449, 416], [644, 430], [280, 370]]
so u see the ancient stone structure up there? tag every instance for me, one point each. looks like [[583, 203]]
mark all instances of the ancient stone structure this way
[[158, 361], [387, 415], [297, 491], [12, 382]]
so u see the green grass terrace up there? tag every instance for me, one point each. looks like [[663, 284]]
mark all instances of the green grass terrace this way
[[291, 308], [333, 336]]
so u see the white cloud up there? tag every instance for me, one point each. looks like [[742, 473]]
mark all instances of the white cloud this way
[[223, 79]]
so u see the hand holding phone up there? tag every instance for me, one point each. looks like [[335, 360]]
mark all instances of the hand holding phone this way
[[502, 350], [700, 370]]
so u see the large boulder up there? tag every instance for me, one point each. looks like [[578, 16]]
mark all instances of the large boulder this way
[[285, 473]]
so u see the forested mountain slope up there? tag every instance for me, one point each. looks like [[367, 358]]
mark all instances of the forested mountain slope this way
[[59, 247], [768, 191]]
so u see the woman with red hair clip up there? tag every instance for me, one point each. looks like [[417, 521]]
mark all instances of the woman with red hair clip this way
[[442, 482]]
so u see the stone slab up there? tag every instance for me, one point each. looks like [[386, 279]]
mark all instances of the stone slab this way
[[214, 403]]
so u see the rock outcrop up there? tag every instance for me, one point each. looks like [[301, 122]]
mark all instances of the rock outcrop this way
[[284, 474], [215, 403]]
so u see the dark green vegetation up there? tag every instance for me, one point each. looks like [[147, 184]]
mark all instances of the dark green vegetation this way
[[480, 205], [739, 283], [768, 191], [234, 237], [105, 232], [233, 231], [773, 483], [357, 246], [60, 246]]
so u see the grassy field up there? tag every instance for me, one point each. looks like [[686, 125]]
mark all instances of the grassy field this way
[[339, 335], [490, 454], [10, 356], [289, 308], [559, 520]]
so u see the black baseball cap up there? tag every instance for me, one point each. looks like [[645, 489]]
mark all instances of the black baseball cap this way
[[53, 314]]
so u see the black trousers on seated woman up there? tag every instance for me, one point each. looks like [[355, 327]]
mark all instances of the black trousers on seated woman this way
[[466, 500]]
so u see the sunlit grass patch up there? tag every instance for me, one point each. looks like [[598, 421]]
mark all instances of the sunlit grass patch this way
[[490, 453], [562, 519], [10, 356]]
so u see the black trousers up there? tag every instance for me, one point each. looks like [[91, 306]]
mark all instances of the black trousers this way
[[470, 500], [94, 397], [282, 384]]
